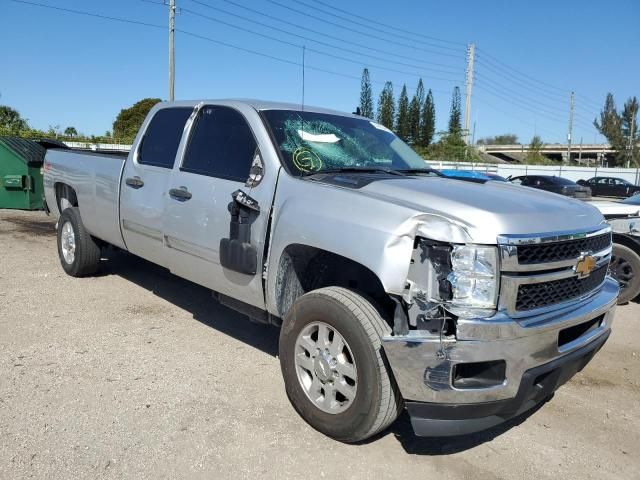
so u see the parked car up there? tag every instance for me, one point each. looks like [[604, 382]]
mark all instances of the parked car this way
[[453, 173], [634, 200], [624, 218], [610, 187], [553, 184], [467, 303], [495, 176]]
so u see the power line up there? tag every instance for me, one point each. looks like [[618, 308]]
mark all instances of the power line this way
[[377, 29], [518, 95], [353, 30], [389, 26], [518, 85], [89, 14], [202, 37], [526, 106], [217, 20], [504, 65], [319, 52], [491, 58], [321, 34], [515, 117], [506, 74]]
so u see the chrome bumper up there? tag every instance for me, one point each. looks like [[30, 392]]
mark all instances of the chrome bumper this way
[[423, 365]]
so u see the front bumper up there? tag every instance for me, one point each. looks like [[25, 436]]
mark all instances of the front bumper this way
[[423, 364]]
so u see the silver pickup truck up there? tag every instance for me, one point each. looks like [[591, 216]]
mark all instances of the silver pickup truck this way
[[466, 302]]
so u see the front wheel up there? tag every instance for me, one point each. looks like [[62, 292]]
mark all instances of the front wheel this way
[[625, 268], [333, 366]]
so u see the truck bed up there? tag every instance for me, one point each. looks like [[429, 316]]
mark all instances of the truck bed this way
[[95, 177]]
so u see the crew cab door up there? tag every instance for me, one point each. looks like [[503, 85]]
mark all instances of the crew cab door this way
[[216, 162], [144, 183]]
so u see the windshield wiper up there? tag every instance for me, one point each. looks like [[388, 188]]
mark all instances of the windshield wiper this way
[[420, 170], [356, 170]]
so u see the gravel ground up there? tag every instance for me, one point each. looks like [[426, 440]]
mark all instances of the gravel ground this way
[[136, 373]]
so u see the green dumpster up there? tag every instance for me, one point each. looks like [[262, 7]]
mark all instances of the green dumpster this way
[[21, 173]]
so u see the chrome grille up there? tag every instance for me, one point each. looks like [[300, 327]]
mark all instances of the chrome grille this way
[[539, 271], [557, 251], [537, 295]]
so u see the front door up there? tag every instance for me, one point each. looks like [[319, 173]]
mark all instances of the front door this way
[[216, 162], [144, 183]]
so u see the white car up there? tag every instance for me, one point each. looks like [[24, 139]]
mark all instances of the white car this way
[[624, 218]]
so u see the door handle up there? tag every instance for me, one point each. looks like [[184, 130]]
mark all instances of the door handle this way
[[181, 194], [135, 182]]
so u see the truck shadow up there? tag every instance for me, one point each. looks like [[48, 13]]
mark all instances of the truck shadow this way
[[436, 446], [204, 308], [190, 297]]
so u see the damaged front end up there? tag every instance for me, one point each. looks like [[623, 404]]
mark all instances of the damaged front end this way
[[462, 361], [446, 282]]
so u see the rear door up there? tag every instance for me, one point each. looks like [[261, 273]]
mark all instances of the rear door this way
[[216, 162], [144, 183]]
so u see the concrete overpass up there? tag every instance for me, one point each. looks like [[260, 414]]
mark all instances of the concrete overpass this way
[[588, 154]]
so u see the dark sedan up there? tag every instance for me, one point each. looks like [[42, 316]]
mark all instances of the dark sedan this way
[[554, 184], [610, 186]]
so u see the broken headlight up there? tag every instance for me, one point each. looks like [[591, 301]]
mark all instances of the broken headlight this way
[[474, 277]]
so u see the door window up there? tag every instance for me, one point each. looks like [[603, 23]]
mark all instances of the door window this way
[[161, 140], [222, 145]]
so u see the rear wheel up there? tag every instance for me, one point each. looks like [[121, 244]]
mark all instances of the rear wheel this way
[[79, 254], [625, 267], [333, 366]]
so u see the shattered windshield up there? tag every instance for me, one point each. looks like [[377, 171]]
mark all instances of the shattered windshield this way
[[317, 142]]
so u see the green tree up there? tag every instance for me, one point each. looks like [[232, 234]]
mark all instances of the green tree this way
[[386, 106], [71, 132], [534, 155], [428, 121], [610, 123], [366, 98], [629, 126], [616, 128], [455, 115], [129, 120], [11, 123], [414, 114], [403, 125], [504, 139]]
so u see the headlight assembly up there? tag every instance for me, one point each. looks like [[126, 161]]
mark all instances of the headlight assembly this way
[[474, 277]]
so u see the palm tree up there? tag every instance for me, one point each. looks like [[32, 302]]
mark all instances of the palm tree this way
[[70, 132]]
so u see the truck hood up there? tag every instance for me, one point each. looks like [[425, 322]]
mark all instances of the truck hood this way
[[487, 210]]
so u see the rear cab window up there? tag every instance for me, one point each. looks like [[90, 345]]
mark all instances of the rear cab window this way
[[160, 142]]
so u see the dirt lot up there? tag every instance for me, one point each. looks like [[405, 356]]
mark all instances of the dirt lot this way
[[138, 374]]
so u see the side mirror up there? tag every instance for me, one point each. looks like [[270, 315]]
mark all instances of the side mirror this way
[[256, 173]]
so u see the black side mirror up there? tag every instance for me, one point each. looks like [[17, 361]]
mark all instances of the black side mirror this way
[[236, 252]]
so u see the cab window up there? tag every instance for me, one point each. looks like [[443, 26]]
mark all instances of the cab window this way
[[162, 137]]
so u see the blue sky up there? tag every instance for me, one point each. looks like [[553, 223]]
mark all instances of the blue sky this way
[[65, 69]]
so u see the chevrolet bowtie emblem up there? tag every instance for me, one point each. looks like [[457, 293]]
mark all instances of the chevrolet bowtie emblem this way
[[585, 265]]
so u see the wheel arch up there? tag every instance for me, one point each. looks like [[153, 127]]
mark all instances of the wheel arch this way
[[628, 241], [303, 268], [65, 196]]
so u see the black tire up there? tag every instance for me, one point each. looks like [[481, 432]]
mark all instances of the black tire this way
[[377, 401], [625, 267], [86, 258]]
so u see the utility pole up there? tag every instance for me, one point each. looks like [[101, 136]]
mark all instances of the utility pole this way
[[580, 154], [471, 53], [172, 63], [631, 132], [570, 132]]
